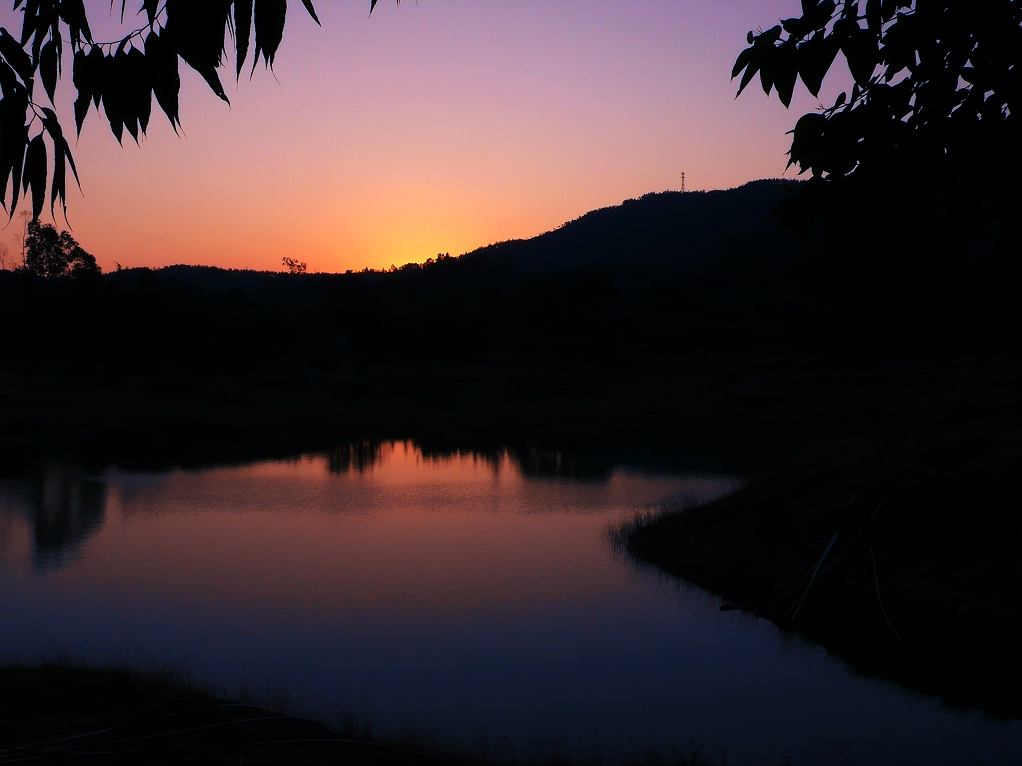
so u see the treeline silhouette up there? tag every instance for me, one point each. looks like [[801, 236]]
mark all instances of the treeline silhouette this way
[[616, 284], [632, 303]]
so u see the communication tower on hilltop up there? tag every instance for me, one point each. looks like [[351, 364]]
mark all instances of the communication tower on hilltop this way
[[683, 181]]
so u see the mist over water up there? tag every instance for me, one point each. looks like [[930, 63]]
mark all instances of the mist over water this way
[[475, 599]]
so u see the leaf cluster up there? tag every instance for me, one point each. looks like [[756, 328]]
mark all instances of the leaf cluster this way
[[122, 76], [937, 86]]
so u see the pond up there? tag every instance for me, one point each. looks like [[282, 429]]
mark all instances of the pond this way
[[473, 599]]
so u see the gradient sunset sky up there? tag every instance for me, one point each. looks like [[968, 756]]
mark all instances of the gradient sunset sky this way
[[436, 126]]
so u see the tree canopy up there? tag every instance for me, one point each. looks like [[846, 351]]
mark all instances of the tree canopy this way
[[49, 254], [933, 113], [914, 169], [929, 77], [122, 75]]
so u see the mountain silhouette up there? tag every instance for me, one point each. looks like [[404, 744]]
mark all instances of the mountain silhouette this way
[[658, 232]]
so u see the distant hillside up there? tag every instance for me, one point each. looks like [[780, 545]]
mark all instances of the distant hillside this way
[[659, 232], [210, 278]]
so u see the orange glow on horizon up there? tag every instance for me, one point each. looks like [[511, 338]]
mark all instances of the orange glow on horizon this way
[[435, 127]]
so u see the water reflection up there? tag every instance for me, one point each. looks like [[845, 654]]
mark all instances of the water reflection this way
[[554, 464], [530, 462], [357, 456], [449, 591], [63, 508]]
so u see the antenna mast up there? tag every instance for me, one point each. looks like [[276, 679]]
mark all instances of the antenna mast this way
[[683, 181]]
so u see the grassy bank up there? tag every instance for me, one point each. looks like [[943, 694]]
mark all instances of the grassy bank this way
[[53, 714], [60, 713], [899, 555]]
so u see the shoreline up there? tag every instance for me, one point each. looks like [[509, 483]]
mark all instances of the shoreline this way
[[894, 556], [55, 712], [52, 713]]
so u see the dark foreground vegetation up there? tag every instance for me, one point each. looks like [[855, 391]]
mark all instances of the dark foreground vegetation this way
[[58, 714], [54, 714]]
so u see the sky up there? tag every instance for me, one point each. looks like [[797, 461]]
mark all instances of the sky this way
[[435, 126]]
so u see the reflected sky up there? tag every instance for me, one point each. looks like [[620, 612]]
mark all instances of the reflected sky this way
[[456, 595]]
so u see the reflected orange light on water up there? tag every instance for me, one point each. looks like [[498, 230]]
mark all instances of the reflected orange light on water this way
[[460, 534], [460, 591]]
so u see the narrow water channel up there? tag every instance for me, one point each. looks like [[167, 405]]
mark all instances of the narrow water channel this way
[[464, 597]]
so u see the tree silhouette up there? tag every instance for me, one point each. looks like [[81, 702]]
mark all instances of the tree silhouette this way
[[928, 135], [49, 254], [123, 75]]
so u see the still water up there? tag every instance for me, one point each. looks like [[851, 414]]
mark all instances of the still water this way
[[474, 599]]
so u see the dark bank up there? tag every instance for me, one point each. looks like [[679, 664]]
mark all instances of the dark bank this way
[[60, 712]]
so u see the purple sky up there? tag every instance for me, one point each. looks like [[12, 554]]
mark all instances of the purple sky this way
[[436, 126]]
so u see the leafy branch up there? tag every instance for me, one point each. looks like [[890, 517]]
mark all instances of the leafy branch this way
[[934, 81], [122, 76]]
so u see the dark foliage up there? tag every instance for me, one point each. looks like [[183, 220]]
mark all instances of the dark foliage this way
[[53, 714], [123, 75], [49, 254], [923, 155]]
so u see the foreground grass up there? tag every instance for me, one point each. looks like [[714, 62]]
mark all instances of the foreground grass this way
[[52, 713], [900, 556], [59, 713]]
